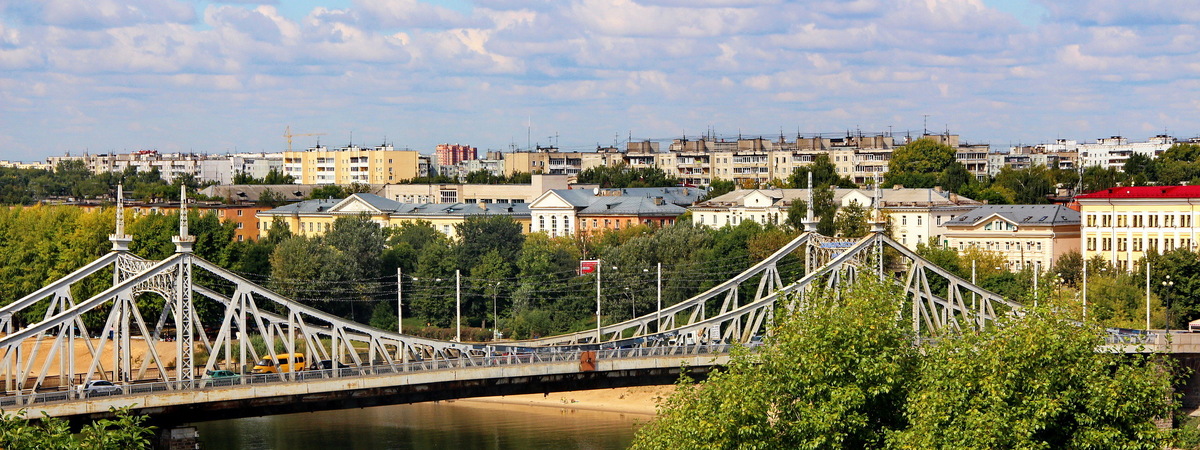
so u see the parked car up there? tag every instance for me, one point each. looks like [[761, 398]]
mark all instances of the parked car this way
[[100, 388], [326, 364]]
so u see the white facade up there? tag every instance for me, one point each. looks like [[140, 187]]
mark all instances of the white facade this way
[[915, 214], [1111, 153]]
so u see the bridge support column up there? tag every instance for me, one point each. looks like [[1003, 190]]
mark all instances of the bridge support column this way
[[178, 438]]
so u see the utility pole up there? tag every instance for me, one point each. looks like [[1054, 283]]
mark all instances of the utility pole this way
[[457, 306], [400, 303], [658, 313], [1085, 289], [1147, 294], [598, 334]]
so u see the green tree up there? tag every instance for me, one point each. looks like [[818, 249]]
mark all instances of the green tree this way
[[797, 212], [1026, 186], [433, 298], [295, 263], [1036, 382], [918, 164], [355, 244], [1096, 178], [329, 191], [956, 176], [491, 278], [824, 380], [824, 173], [125, 431], [478, 235], [851, 221], [719, 187]]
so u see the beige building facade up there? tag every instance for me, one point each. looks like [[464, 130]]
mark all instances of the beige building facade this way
[[352, 164], [1033, 236]]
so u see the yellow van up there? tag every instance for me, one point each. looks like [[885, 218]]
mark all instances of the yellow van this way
[[293, 362]]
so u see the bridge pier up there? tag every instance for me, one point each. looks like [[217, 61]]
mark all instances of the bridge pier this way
[[178, 438]]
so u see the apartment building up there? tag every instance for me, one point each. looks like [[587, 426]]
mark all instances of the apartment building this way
[[218, 168], [1026, 235], [1122, 224], [1111, 152], [354, 164], [451, 154], [548, 160]]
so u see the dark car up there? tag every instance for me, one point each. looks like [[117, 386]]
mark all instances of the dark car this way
[[326, 365]]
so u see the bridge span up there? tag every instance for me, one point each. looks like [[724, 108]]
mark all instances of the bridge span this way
[[357, 387]]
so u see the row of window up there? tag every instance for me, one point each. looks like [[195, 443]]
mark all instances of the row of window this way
[[1141, 220], [1005, 245], [1137, 244]]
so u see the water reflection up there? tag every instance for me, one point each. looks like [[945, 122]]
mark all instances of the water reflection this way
[[445, 425]]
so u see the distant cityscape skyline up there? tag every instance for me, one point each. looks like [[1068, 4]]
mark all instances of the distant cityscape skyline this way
[[221, 77]]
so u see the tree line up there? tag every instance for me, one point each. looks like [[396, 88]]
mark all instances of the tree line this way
[[846, 372]]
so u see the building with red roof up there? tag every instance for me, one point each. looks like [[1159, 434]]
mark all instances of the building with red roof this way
[[1122, 224]]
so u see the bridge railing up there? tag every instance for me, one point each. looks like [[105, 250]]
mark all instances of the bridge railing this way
[[535, 356]]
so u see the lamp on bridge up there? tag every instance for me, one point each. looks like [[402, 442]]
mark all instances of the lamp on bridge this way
[[1167, 283]]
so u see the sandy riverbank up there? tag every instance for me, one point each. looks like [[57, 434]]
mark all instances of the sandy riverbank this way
[[634, 400]]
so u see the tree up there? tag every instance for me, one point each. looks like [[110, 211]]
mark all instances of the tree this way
[[718, 187], [797, 212], [824, 173], [1037, 381], [125, 431], [355, 245], [851, 221], [918, 164], [491, 278], [433, 298], [1141, 165], [1069, 267], [480, 234], [296, 262], [956, 176], [824, 380], [825, 209], [329, 191], [1096, 178], [622, 176], [1026, 186]]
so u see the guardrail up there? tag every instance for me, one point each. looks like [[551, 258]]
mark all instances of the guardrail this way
[[517, 358]]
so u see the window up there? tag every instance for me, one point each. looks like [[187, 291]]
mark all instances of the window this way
[[241, 225], [903, 220], [1182, 220], [1107, 244], [1039, 246], [554, 223], [1185, 243], [939, 221], [1091, 244], [918, 221], [593, 223], [1137, 221], [1152, 245], [241, 238], [240, 214], [1106, 220], [1153, 220], [1091, 220], [1169, 221], [541, 222], [1121, 220], [1008, 245], [1137, 244], [1121, 245]]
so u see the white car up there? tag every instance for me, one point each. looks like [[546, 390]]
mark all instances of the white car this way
[[100, 388]]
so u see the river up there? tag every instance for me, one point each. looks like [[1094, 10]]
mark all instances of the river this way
[[460, 425]]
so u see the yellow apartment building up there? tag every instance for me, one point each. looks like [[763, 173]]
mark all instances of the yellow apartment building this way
[[351, 164], [1121, 224]]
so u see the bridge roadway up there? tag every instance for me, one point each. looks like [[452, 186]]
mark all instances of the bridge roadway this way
[[317, 390]]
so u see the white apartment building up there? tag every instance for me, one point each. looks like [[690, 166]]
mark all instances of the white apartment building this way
[[218, 168], [1111, 152]]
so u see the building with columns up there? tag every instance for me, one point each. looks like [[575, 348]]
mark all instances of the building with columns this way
[[1122, 224]]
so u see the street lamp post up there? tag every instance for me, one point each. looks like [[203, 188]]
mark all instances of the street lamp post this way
[[1168, 283], [1147, 295], [495, 312]]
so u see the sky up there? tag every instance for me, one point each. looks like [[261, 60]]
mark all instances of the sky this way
[[216, 77]]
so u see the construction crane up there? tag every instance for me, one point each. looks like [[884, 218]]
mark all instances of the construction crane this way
[[287, 133]]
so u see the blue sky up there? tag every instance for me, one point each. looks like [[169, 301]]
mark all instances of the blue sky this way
[[217, 77]]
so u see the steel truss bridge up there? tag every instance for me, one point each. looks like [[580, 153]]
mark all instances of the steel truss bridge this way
[[45, 365]]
